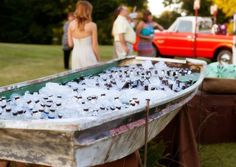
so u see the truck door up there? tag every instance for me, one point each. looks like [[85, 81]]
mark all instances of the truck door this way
[[180, 42], [206, 41]]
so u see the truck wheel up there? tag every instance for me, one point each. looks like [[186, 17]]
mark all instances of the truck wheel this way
[[224, 57]]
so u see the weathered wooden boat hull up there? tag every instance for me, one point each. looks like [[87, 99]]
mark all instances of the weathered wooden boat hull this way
[[70, 149], [75, 143]]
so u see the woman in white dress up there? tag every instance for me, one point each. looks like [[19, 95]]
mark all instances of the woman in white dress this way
[[82, 36]]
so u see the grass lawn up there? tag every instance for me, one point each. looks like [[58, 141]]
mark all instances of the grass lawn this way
[[19, 62], [218, 155]]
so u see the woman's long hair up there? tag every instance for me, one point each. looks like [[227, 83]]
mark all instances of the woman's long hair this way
[[146, 14], [83, 13]]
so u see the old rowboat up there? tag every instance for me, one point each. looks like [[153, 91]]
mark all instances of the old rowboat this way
[[80, 143]]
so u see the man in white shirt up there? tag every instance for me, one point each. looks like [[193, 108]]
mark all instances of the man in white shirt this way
[[124, 35]]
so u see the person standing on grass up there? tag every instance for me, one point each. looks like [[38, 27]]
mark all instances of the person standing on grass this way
[[66, 48], [124, 35], [82, 36], [145, 33]]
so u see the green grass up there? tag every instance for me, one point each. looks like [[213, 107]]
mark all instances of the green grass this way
[[19, 62], [218, 155]]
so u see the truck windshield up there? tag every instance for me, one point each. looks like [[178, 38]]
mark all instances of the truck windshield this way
[[172, 28]]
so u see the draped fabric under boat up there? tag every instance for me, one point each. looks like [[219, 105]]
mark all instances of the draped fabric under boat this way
[[80, 143], [219, 85]]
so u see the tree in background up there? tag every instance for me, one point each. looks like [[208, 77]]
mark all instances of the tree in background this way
[[167, 18], [29, 21], [228, 6], [35, 21], [203, 11], [184, 6], [187, 7]]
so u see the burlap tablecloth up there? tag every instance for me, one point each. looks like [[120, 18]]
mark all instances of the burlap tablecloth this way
[[206, 119], [213, 117]]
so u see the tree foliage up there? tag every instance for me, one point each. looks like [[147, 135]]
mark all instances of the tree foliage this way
[[228, 6], [167, 18], [35, 21], [187, 6], [204, 7], [29, 21]]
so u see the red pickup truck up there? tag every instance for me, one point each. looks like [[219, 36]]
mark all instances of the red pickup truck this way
[[182, 40]]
